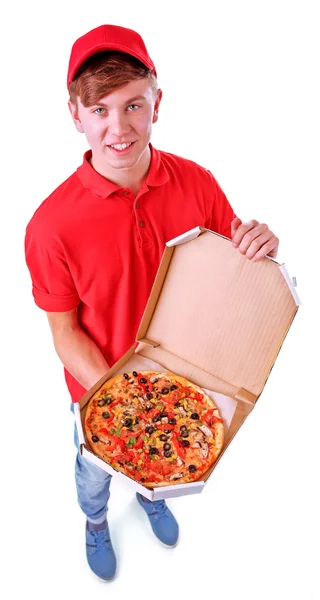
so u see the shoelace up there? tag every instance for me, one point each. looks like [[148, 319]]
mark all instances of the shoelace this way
[[159, 509], [101, 538]]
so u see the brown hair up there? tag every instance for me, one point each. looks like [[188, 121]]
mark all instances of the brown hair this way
[[105, 72]]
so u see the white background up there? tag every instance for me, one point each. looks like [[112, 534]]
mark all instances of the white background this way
[[240, 85]]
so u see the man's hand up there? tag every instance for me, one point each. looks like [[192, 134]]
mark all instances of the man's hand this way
[[253, 239]]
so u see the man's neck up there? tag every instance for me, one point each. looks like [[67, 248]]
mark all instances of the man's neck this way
[[131, 178]]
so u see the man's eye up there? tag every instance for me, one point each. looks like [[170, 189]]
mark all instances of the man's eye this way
[[99, 113], [133, 106]]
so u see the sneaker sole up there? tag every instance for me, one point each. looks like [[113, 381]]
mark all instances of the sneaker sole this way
[[168, 546], [103, 578]]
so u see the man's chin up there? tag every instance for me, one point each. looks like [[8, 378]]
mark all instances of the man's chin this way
[[121, 164]]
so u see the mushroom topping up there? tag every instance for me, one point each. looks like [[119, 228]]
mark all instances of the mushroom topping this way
[[182, 411], [176, 476], [204, 449], [205, 430], [196, 445]]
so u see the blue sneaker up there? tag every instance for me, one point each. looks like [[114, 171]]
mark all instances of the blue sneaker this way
[[162, 521], [100, 554]]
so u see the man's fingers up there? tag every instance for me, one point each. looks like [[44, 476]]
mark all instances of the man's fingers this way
[[234, 225], [249, 229], [254, 239], [268, 249]]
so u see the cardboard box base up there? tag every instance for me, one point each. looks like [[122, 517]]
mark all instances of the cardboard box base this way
[[233, 413]]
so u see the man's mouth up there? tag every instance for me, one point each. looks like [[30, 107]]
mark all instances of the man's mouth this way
[[121, 146]]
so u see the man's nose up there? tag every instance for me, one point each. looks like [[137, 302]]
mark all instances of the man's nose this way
[[118, 124]]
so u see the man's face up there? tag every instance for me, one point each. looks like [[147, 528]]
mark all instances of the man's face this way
[[123, 117]]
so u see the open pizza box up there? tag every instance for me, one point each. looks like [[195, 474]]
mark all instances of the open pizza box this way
[[217, 319]]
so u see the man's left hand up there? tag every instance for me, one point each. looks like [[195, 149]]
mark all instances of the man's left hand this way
[[253, 239]]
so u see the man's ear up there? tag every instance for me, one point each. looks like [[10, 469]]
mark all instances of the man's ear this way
[[156, 107], [75, 116]]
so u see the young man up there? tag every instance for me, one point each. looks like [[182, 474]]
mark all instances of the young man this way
[[94, 245]]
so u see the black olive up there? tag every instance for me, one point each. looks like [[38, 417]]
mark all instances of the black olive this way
[[163, 414], [167, 446], [172, 421], [134, 373], [155, 380], [149, 407], [125, 375], [163, 437], [167, 431], [182, 427], [95, 438], [184, 433], [177, 404], [165, 390], [167, 453], [128, 422], [185, 443], [149, 429], [137, 421], [143, 380], [106, 415], [195, 416], [153, 450], [174, 387], [156, 419], [149, 395], [192, 468], [104, 401]]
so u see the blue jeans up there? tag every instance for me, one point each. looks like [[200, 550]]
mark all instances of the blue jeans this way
[[92, 485]]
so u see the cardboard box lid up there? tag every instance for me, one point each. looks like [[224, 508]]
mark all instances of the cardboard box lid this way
[[218, 311]]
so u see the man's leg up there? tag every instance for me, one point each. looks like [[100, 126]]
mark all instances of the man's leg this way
[[93, 493]]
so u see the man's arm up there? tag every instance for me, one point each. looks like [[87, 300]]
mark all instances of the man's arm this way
[[79, 354]]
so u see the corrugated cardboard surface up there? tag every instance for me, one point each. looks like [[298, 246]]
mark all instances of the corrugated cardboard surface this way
[[215, 318], [220, 312]]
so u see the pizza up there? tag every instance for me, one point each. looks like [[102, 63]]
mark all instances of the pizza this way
[[157, 428]]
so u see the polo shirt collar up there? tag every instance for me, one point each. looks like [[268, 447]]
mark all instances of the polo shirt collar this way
[[102, 187]]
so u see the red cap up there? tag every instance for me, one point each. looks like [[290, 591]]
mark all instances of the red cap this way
[[107, 37]]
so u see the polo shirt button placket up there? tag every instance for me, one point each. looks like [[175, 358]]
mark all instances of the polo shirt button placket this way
[[141, 224]]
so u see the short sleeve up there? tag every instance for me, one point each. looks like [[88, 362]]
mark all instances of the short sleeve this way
[[52, 285], [220, 213]]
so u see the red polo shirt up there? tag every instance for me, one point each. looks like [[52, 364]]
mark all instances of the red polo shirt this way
[[92, 244]]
